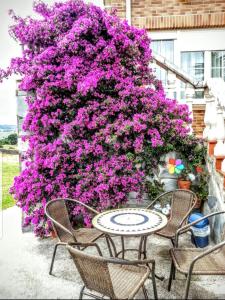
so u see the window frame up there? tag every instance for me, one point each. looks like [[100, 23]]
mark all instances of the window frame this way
[[202, 68], [221, 69], [164, 40], [162, 74]]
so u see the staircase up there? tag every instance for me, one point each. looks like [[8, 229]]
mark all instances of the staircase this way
[[213, 114]]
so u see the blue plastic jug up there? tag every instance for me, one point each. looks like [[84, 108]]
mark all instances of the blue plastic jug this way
[[200, 230]]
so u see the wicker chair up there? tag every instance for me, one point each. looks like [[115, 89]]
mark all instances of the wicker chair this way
[[196, 261], [112, 277], [56, 211], [182, 203]]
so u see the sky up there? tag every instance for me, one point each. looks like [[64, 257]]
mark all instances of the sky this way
[[8, 49]]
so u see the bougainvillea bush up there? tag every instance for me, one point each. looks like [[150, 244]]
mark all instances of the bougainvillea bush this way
[[93, 108]]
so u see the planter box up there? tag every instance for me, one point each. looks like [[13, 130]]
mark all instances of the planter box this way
[[211, 146], [218, 162]]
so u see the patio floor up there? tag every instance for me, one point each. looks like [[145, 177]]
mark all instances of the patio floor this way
[[25, 260]]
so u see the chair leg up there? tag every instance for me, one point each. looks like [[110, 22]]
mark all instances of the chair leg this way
[[53, 257], [172, 241], [154, 282], [145, 292], [172, 275], [187, 285], [108, 245], [81, 293]]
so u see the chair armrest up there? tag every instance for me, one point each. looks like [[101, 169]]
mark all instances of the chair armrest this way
[[186, 227], [156, 199], [212, 249], [131, 262], [85, 245], [83, 204]]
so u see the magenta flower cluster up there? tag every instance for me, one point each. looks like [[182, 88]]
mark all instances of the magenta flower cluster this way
[[93, 107]]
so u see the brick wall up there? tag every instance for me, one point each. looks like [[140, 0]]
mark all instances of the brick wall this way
[[119, 5], [198, 119], [173, 14]]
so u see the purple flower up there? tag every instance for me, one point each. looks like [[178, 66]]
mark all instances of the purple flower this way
[[86, 74]]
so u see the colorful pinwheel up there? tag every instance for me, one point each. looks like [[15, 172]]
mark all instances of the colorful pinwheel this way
[[175, 166]]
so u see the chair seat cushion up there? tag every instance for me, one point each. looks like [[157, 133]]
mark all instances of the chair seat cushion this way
[[87, 235], [211, 264], [127, 280]]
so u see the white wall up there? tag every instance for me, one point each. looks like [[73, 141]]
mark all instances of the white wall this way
[[206, 40], [192, 40]]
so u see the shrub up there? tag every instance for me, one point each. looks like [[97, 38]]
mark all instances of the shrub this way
[[94, 109], [12, 139]]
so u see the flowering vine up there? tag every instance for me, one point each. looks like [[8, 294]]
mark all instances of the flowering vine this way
[[94, 107]]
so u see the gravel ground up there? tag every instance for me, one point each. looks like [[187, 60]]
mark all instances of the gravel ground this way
[[25, 261]]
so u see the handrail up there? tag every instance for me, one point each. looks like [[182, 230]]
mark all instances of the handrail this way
[[181, 75]]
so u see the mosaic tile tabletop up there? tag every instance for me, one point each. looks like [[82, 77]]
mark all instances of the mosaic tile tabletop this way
[[130, 221]]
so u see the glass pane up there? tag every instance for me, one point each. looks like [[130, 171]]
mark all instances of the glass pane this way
[[218, 64], [217, 59], [182, 95], [199, 94], [167, 50], [161, 74], [164, 48], [193, 64], [156, 46], [216, 72]]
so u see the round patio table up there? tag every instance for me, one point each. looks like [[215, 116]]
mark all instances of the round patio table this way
[[127, 222]]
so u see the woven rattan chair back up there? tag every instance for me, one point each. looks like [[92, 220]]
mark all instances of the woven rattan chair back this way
[[94, 272], [181, 205], [57, 210]]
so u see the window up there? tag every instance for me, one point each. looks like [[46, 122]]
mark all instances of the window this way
[[193, 64], [164, 48], [218, 64]]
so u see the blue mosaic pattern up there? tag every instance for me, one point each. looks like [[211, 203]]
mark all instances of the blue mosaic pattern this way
[[130, 221]]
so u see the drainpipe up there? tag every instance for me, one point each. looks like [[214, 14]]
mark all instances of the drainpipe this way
[[128, 11]]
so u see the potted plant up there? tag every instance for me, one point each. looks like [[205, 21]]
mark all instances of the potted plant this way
[[184, 180], [154, 188], [200, 187]]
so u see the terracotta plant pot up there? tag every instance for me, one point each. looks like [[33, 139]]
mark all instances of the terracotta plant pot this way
[[53, 234], [184, 184]]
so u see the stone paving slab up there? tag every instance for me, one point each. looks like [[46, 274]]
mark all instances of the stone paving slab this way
[[25, 261]]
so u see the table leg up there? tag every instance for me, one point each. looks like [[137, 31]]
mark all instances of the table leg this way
[[145, 247], [141, 245], [123, 247], [109, 241]]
